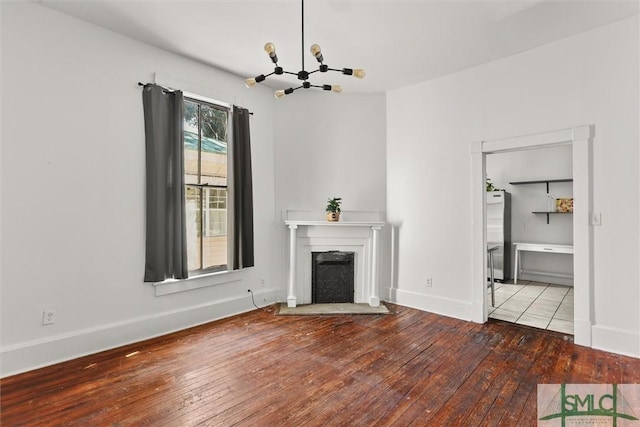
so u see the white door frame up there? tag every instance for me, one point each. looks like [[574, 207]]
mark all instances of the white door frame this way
[[581, 140]]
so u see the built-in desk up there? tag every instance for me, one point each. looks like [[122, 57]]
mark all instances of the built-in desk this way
[[538, 247]]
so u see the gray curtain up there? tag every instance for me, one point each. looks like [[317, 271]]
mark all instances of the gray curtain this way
[[241, 253], [166, 240]]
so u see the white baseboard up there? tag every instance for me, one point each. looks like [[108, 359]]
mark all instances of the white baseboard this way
[[35, 354], [433, 304], [616, 340]]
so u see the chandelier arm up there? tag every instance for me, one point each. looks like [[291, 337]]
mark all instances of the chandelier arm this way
[[289, 72], [295, 88], [314, 71]]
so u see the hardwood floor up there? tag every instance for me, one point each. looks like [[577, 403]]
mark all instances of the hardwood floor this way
[[256, 369]]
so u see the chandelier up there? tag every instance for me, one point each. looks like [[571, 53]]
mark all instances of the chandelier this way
[[303, 75]]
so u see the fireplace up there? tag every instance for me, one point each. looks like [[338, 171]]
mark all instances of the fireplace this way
[[357, 233], [332, 277]]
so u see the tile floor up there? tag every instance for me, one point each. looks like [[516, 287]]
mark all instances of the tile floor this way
[[541, 305]]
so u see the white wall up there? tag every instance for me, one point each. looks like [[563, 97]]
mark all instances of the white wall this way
[[73, 190], [527, 165], [330, 145], [591, 78]]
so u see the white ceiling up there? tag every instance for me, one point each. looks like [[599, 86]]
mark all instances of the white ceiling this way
[[399, 43]]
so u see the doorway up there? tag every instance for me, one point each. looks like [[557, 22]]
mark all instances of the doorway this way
[[523, 187], [581, 139]]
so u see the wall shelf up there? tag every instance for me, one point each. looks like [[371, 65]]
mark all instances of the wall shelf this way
[[551, 213], [547, 182], [542, 181]]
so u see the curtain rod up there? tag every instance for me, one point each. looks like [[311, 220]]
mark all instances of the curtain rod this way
[[170, 90]]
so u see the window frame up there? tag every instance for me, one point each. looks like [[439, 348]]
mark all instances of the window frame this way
[[227, 108]]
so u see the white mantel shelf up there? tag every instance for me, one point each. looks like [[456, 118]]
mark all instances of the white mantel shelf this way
[[353, 220]]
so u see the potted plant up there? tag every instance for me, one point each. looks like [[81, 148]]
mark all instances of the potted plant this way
[[333, 209], [490, 186]]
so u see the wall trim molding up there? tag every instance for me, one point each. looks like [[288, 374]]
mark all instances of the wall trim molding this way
[[616, 340], [30, 355]]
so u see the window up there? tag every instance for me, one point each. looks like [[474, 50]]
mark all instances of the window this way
[[205, 164]]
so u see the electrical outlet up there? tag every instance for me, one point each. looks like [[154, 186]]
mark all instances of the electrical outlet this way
[[262, 282], [48, 317], [429, 282]]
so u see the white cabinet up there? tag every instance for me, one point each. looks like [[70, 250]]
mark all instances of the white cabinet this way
[[499, 231]]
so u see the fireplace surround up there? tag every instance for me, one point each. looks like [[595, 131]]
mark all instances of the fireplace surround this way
[[356, 232]]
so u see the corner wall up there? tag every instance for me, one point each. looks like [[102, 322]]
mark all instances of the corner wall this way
[[328, 145]]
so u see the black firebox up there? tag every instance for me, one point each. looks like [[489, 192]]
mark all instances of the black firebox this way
[[332, 277]]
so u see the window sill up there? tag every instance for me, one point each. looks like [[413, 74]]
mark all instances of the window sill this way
[[172, 286]]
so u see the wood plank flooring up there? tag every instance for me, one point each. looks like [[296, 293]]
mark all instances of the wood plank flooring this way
[[256, 369]]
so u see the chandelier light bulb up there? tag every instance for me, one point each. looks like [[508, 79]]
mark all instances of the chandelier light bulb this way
[[359, 73], [250, 82], [269, 48], [336, 88], [315, 49], [279, 94]]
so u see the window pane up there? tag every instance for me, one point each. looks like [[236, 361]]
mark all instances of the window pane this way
[[192, 207], [215, 221], [191, 142], [215, 211], [213, 166], [205, 152]]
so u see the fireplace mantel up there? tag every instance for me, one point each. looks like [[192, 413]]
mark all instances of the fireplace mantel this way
[[357, 231]]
